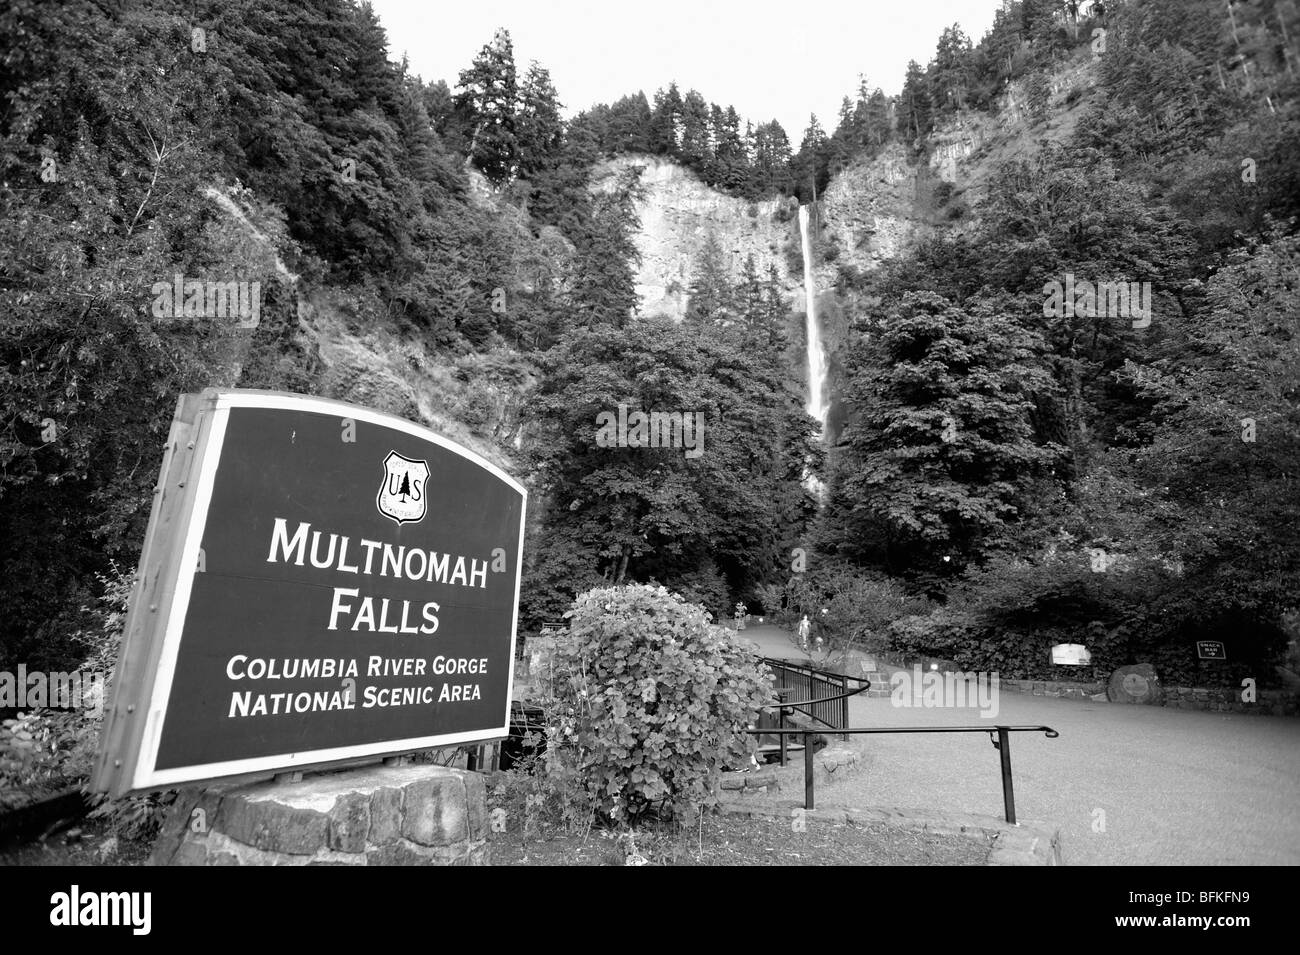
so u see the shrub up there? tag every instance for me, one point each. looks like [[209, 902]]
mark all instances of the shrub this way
[[706, 587], [945, 633], [651, 703], [45, 750], [859, 606]]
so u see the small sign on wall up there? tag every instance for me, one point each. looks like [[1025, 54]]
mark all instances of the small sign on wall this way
[[1071, 655], [1210, 650]]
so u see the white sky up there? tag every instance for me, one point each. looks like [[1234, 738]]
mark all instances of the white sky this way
[[779, 60]]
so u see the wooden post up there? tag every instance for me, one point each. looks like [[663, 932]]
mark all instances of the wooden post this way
[[152, 594]]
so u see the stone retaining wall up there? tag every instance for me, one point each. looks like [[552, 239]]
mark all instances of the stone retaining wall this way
[[1218, 699], [1062, 688], [376, 815], [1228, 700]]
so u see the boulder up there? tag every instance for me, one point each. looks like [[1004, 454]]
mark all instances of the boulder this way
[[1138, 683]]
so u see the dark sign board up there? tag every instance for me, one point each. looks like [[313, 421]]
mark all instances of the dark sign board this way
[[1210, 650], [320, 583]]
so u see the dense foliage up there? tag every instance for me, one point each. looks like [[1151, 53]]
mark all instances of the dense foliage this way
[[1125, 481], [1008, 476], [651, 703]]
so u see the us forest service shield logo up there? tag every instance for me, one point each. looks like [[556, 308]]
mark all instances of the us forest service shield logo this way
[[403, 495]]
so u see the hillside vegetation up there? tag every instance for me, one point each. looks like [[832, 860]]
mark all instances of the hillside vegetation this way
[[1008, 474]]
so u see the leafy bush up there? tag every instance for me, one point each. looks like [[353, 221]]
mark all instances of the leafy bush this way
[[45, 750], [944, 632], [859, 605], [651, 703]]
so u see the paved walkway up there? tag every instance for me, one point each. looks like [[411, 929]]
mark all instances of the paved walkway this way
[[1172, 787]]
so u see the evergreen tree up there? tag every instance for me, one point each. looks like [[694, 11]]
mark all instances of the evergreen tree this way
[[950, 73], [776, 310], [539, 132], [488, 99], [772, 159], [665, 122], [748, 296], [630, 124], [605, 287], [808, 169], [696, 146], [914, 112], [712, 297]]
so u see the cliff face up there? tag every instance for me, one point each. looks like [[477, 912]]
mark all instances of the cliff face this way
[[866, 214], [864, 218], [677, 214]]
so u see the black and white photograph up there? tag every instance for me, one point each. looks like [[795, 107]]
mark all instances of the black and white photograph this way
[[687, 434]]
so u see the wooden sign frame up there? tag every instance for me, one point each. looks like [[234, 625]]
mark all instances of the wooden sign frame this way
[[155, 619]]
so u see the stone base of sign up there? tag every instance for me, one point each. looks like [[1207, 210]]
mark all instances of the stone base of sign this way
[[375, 815]]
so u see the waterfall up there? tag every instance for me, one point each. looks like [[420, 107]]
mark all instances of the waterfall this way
[[816, 353]]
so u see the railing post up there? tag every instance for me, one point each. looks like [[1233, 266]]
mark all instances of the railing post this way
[[808, 797], [1008, 794], [780, 724], [844, 707]]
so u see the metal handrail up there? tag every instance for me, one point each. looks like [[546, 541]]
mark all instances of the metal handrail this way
[[796, 665], [792, 677], [1002, 744], [791, 704]]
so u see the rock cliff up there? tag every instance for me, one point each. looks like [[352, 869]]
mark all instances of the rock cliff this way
[[678, 212]]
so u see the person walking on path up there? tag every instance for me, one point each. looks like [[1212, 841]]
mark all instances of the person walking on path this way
[[804, 627]]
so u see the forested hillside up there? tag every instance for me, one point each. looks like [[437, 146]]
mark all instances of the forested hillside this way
[[1010, 474], [431, 254], [1048, 473]]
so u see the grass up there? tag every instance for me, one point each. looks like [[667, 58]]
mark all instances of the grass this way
[[87, 842], [738, 841]]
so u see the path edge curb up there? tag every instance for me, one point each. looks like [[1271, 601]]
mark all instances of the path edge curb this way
[[1023, 844]]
